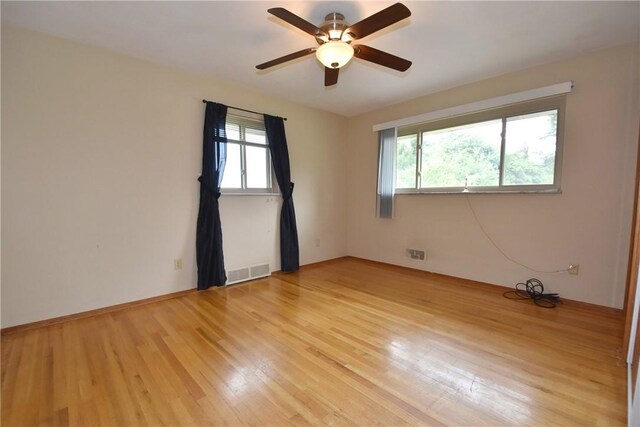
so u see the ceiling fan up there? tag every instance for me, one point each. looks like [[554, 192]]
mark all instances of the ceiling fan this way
[[335, 37]]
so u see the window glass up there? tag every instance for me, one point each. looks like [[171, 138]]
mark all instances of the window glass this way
[[256, 136], [248, 168], [530, 148], [256, 167], [462, 156], [406, 157], [232, 177], [515, 148], [232, 131]]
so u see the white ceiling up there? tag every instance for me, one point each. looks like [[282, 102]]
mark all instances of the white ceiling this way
[[450, 43]]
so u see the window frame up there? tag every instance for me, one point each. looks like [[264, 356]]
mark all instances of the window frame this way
[[504, 113], [256, 123]]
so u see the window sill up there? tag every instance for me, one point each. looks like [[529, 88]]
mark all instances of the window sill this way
[[413, 193], [249, 194]]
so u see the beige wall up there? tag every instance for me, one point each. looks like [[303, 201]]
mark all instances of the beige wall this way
[[588, 223], [100, 159], [101, 153]]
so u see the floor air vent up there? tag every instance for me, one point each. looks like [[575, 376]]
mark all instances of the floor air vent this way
[[247, 273]]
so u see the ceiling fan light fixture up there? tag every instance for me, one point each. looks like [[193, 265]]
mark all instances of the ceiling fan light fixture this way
[[334, 54]]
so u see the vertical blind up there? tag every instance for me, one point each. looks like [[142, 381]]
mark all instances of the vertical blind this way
[[386, 172]]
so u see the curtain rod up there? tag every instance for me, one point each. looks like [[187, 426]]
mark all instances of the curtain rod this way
[[241, 109]]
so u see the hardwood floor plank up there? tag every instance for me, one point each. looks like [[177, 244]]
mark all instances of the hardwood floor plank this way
[[350, 342]]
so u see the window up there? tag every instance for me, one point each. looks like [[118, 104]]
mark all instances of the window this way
[[248, 167], [517, 148]]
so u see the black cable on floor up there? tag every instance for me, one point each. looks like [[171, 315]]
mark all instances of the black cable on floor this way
[[533, 290]]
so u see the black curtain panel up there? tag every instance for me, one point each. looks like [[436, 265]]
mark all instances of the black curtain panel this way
[[289, 251], [209, 256]]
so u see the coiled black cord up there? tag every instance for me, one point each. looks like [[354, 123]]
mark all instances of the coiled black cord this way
[[533, 290]]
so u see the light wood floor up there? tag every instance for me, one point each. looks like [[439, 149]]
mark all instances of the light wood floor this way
[[344, 343]]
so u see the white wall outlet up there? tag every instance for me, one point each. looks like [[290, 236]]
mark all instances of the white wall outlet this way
[[177, 264], [317, 242], [574, 269], [418, 254]]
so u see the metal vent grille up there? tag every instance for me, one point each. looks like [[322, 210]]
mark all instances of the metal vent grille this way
[[248, 273]]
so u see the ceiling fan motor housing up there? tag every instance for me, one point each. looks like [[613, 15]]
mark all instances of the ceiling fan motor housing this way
[[333, 25]]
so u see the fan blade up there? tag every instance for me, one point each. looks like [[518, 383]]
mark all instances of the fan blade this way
[[296, 21], [382, 58], [285, 58], [331, 76], [380, 20]]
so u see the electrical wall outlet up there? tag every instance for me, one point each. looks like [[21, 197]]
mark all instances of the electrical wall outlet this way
[[574, 269], [177, 264], [418, 254]]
